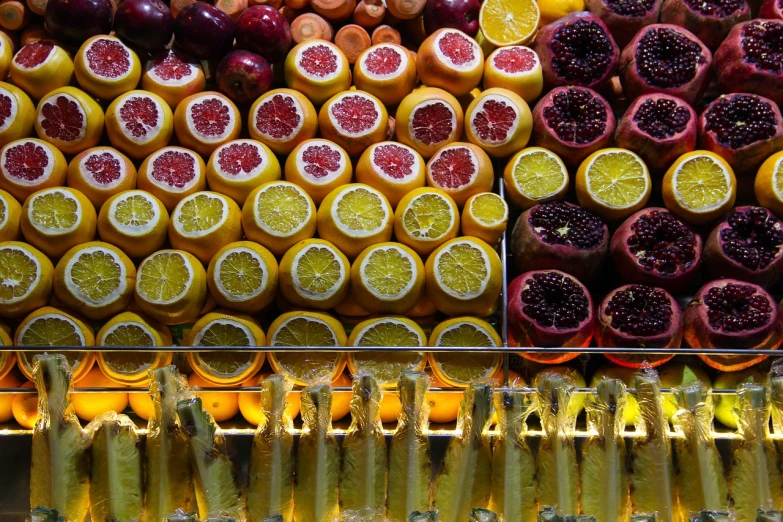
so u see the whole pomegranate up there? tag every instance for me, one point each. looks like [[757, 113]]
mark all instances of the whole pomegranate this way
[[709, 20], [625, 17]]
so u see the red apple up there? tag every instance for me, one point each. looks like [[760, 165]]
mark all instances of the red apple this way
[[146, 25], [204, 31], [455, 14], [243, 76], [74, 21], [263, 30]]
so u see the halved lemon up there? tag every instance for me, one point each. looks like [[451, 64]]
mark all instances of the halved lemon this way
[[314, 274], [462, 368], [171, 286], [57, 219], [509, 22], [387, 278], [134, 221], [699, 187], [535, 175], [7, 359], [278, 215], [222, 330], [203, 223], [485, 216], [243, 276], [769, 184], [25, 279], [425, 219], [613, 183]]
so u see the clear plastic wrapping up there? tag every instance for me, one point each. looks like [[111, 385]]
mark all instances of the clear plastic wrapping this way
[[423, 516], [483, 515], [60, 465], [514, 487], [549, 514], [271, 488], [603, 472], [181, 516], [769, 516], [707, 515], [361, 515], [116, 470], [409, 452], [42, 514]]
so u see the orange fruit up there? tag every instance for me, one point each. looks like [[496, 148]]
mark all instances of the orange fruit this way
[[173, 77], [24, 407], [451, 60], [444, 405], [141, 403], [499, 121], [282, 119], [390, 407], [318, 69], [314, 274], [387, 71], [29, 165], [10, 380], [10, 217], [89, 405], [318, 166], [392, 168], [699, 187], [55, 220], [101, 172], [768, 185], [509, 22], [203, 223], [19, 111], [516, 68], [485, 216], [41, 67], [424, 308], [354, 120], [139, 123], [171, 174], [250, 402], [341, 400], [222, 405], [171, 287], [427, 119], [348, 307], [105, 67], [25, 278], [6, 55], [69, 119], [236, 168], [206, 120], [461, 170], [134, 221]]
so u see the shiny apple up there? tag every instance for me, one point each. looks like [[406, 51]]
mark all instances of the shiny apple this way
[[146, 25], [263, 30], [74, 21], [204, 31], [243, 76], [455, 14]]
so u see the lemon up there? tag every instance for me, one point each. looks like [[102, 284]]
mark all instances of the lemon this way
[[613, 183], [509, 22], [171, 286], [535, 175], [223, 330], [57, 219], [425, 219], [303, 329], [462, 368], [203, 223], [464, 277], [95, 279], [552, 10], [25, 279], [354, 217], [387, 278], [485, 216], [243, 276], [769, 184], [278, 215], [699, 187], [314, 274], [135, 221]]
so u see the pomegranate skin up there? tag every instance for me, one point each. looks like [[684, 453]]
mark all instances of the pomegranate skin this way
[[719, 264], [622, 27], [635, 85], [735, 74], [658, 154], [710, 29], [771, 9]]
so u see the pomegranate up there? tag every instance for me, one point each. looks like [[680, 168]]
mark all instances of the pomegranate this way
[[562, 236], [709, 20], [578, 49], [750, 59], [746, 245], [727, 313], [623, 17], [639, 316], [771, 9], [549, 308], [659, 128], [667, 59], [573, 122], [653, 247]]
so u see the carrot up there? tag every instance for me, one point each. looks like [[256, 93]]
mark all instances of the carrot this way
[[289, 13], [369, 13], [37, 6], [14, 14], [310, 26], [386, 34], [297, 4], [353, 40], [277, 4], [406, 9], [232, 8], [334, 10]]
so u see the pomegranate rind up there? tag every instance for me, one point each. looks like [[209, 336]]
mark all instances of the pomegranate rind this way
[[710, 29], [518, 133], [81, 176], [18, 113], [304, 129], [354, 142], [106, 87], [237, 185], [154, 136], [482, 176], [169, 194], [622, 27], [392, 87], [173, 90], [438, 70], [422, 99], [186, 127], [37, 81], [52, 175], [91, 129], [299, 171], [318, 89]]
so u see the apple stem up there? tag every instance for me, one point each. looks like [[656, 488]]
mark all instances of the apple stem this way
[[352, 40], [310, 26]]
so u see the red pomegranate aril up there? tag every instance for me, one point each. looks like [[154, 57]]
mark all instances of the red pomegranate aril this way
[[625, 17]]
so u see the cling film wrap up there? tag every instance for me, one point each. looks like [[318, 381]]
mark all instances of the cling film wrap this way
[[168, 480], [707, 515], [514, 487], [579, 518], [652, 474], [60, 464], [273, 518], [754, 480], [776, 398], [317, 459], [361, 515], [180, 515], [217, 491], [701, 480], [409, 452], [271, 488], [483, 515], [604, 479], [423, 516], [465, 477], [363, 471], [558, 471], [769, 516], [116, 470], [642, 518], [44, 514], [549, 514]]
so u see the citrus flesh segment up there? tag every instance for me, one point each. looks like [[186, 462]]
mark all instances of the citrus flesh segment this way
[[134, 214], [489, 209], [539, 174], [509, 22], [701, 184], [617, 179], [318, 271], [54, 212], [307, 329], [165, 277], [128, 366], [223, 364], [201, 214]]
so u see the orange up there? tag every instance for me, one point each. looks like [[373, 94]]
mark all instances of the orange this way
[[318, 69], [222, 405], [318, 166], [24, 407], [10, 216], [6, 55], [427, 119], [70, 119], [100, 173], [55, 220], [499, 121], [387, 71], [171, 174], [40, 67], [444, 405], [206, 120], [392, 168], [516, 68], [391, 407], [341, 400], [485, 216], [461, 170], [699, 187], [10, 380], [281, 119], [451, 60], [105, 67], [25, 278], [139, 123], [250, 402], [509, 22], [89, 405], [173, 77], [141, 404], [236, 168], [354, 120], [243, 276], [28, 165], [17, 120]]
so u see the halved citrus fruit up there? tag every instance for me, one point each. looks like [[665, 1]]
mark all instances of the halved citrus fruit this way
[[10, 217], [100, 173], [203, 223], [499, 121], [173, 76], [29, 165], [318, 69], [462, 368], [40, 67], [171, 287], [451, 60], [387, 278], [135, 221], [348, 307], [699, 187], [25, 279], [354, 120], [387, 71], [105, 67], [236, 168], [460, 170], [393, 168], [485, 216], [171, 174], [318, 166], [57, 219], [139, 123], [69, 119], [314, 274], [282, 119], [206, 120], [535, 175], [16, 120], [243, 276], [768, 186], [509, 22], [613, 183], [425, 219], [428, 119], [516, 68]]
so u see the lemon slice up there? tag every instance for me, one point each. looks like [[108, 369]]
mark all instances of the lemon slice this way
[[171, 286], [314, 274], [462, 368], [509, 22], [278, 215], [425, 219], [613, 183], [242, 276], [485, 216], [57, 219], [535, 175], [387, 277], [25, 279], [699, 187], [386, 331]]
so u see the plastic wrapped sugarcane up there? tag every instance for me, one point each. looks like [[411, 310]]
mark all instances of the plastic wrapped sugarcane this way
[[217, 492], [317, 459], [776, 401], [700, 477], [423, 516], [181, 516], [549, 514], [116, 470], [707, 515], [652, 477], [483, 515], [409, 452], [769, 516], [464, 480], [42, 514], [558, 470], [514, 486], [642, 518], [271, 489], [60, 467], [168, 480], [754, 479], [603, 469], [273, 518], [361, 515]]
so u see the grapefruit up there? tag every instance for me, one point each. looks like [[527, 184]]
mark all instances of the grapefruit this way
[[29, 165], [40, 67], [205, 121], [139, 123], [451, 60], [173, 76], [171, 174], [17, 112], [318, 166], [282, 119], [387, 71], [100, 173], [427, 119], [392, 168], [105, 67], [69, 119], [499, 121], [236, 168], [460, 170], [318, 69]]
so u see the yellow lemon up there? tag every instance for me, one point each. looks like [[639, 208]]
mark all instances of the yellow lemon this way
[[25, 279], [171, 287], [57, 219], [243, 276], [134, 221], [203, 223], [387, 278], [699, 187], [314, 274]]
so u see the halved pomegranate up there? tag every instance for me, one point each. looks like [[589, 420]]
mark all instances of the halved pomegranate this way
[[573, 122], [655, 248], [549, 308], [744, 129], [709, 20], [747, 245], [625, 17], [667, 59], [639, 316], [727, 313], [561, 236]]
